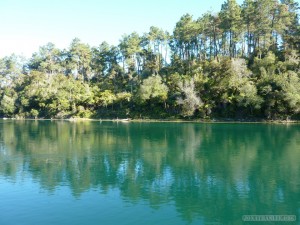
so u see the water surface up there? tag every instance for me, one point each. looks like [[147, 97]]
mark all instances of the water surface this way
[[59, 172]]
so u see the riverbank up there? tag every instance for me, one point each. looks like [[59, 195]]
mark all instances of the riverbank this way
[[127, 120]]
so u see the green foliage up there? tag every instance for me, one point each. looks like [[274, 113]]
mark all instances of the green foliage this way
[[34, 113], [47, 60], [8, 103], [231, 24], [153, 88], [240, 62], [291, 92], [106, 98]]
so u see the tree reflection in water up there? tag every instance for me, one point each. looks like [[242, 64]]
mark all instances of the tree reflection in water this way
[[214, 171]]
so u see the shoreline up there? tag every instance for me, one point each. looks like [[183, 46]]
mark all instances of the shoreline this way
[[128, 120]]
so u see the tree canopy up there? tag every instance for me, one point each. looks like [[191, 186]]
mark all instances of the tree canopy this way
[[242, 62]]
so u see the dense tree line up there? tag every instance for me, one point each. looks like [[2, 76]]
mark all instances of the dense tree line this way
[[242, 62]]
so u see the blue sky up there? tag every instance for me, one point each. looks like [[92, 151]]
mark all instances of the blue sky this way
[[26, 25]]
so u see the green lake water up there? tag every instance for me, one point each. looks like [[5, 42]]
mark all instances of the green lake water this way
[[69, 173]]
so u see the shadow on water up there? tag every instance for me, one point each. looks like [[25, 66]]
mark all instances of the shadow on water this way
[[217, 172]]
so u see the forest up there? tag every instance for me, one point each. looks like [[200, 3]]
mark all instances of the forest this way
[[240, 63]]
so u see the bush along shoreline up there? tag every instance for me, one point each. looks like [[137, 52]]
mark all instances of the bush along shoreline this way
[[147, 120]]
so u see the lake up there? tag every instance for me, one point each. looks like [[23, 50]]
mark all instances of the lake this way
[[91, 172]]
